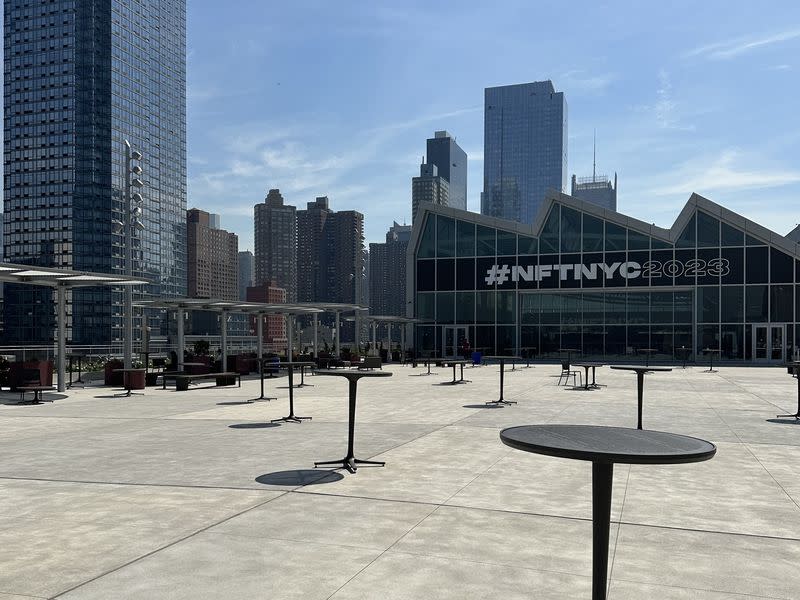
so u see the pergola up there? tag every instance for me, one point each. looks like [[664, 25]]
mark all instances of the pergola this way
[[224, 307], [389, 320], [61, 280], [337, 308]]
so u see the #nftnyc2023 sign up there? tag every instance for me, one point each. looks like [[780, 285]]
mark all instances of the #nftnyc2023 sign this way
[[652, 269]]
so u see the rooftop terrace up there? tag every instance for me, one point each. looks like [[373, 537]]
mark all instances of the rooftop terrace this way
[[194, 495]]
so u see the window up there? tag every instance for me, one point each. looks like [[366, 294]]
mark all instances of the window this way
[[687, 238], [465, 238], [486, 241], [592, 234], [615, 237], [445, 236], [548, 240], [707, 231], [570, 230]]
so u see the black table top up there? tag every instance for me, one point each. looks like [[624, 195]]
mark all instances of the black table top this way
[[455, 361], [297, 363], [350, 374], [640, 368], [608, 444], [588, 364], [504, 357]]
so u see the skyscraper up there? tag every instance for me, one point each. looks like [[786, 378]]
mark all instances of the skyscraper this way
[[80, 78], [247, 272], [428, 187], [313, 252], [451, 161], [276, 244], [596, 189], [212, 258], [525, 149], [387, 272]]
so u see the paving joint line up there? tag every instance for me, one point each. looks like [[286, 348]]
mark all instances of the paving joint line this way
[[164, 547]]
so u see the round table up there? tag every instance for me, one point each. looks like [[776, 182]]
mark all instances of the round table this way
[[262, 362], [502, 360], [454, 363], [585, 366], [640, 371], [647, 352], [349, 462], [127, 378], [604, 446], [289, 366], [710, 352]]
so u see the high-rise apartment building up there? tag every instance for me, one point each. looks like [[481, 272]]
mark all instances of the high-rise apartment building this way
[[247, 272], [276, 243], [596, 189], [428, 187], [80, 78], [451, 162], [313, 252], [387, 272], [330, 254], [212, 258], [274, 328], [525, 149]]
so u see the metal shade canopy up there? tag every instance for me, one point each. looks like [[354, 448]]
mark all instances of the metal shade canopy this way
[[61, 280]]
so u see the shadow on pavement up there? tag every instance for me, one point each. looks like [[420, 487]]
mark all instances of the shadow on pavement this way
[[254, 425], [299, 477]]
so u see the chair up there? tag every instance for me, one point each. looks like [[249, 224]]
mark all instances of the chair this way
[[566, 374], [29, 378]]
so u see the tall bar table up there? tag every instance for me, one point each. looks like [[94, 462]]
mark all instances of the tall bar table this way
[[796, 365], [349, 461], [640, 371], [502, 360]]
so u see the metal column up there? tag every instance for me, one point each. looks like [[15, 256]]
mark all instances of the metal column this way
[[181, 341], [374, 339], [316, 327], [289, 335], [338, 336], [260, 333], [389, 350], [62, 337], [402, 343], [223, 329]]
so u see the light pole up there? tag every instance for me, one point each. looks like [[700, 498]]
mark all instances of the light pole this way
[[132, 216]]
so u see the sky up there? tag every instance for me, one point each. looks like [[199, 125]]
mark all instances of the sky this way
[[337, 99]]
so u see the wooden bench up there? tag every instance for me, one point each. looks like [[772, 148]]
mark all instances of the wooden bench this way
[[182, 380], [37, 392]]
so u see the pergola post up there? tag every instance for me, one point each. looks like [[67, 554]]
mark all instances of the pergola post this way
[[223, 328], [338, 336], [260, 334], [289, 335], [61, 324], [402, 342], [374, 339], [316, 328], [389, 351], [181, 340]]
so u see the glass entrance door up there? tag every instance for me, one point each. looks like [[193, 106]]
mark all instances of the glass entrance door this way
[[452, 340], [777, 346], [760, 350], [769, 343]]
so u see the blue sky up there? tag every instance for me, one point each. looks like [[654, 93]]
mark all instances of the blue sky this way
[[337, 99]]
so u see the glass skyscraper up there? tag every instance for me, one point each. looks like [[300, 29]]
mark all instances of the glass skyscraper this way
[[82, 76], [525, 149], [451, 162]]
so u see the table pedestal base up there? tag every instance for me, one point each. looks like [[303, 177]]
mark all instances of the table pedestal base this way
[[501, 401], [350, 463], [290, 419]]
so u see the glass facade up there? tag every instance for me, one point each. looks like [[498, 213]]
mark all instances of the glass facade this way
[[525, 149], [606, 289], [80, 78]]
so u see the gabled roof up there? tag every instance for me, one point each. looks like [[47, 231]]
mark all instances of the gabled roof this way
[[668, 235]]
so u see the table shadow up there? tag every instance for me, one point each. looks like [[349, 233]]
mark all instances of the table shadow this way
[[253, 425], [300, 477], [784, 421], [46, 399], [492, 406], [237, 403]]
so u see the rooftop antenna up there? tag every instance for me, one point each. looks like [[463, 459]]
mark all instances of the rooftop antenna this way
[[594, 156]]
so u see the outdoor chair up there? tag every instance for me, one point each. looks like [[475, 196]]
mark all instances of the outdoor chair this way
[[566, 373]]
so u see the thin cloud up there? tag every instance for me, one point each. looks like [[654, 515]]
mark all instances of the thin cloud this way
[[665, 109], [578, 80], [725, 173], [731, 48]]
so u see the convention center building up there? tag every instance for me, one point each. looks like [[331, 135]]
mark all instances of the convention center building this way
[[603, 285]]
